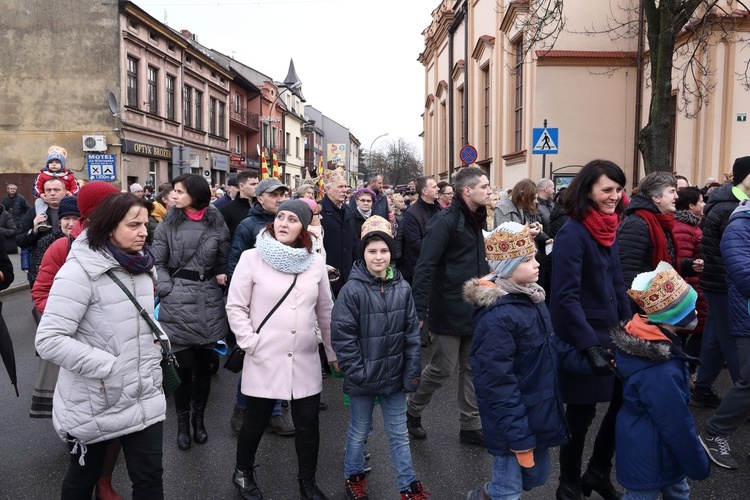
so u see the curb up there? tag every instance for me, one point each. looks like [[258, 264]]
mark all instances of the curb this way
[[16, 287]]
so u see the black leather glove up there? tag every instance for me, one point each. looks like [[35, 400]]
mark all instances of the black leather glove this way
[[600, 360]]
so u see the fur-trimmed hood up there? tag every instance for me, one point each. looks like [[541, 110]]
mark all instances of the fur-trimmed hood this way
[[480, 292], [687, 217], [638, 347]]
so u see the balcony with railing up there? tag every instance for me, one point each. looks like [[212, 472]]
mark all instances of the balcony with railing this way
[[245, 117]]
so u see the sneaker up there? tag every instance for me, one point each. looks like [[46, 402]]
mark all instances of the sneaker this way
[[479, 494], [366, 455], [238, 416], [704, 399], [415, 492], [367, 467], [472, 437], [43, 227], [354, 487], [717, 448], [414, 424], [280, 426]]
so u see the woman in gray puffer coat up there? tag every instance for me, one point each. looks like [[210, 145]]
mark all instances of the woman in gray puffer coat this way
[[110, 382], [190, 247]]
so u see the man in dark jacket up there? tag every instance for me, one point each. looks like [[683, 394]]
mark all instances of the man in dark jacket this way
[[718, 344], [338, 225], [270, 193], [16, 204], [415, 222], [380, 203], [735, 407], [238, 209], [452, 253], [29, 232], [231, 194]]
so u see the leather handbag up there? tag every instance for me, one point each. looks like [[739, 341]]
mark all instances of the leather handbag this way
[[236, 357], [170, 378]]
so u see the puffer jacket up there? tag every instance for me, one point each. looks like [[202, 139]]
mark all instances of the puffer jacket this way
[[514, 361], [717, 211], [192, 312], [375, 334], [636, 247], [246, 233], [688, 234], [413, 227], [7, 225], [657, 444], [110, 381], [735, 247]]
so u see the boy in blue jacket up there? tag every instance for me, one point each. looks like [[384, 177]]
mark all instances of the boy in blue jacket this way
[[375, 334], [657, 445], [514, 360]]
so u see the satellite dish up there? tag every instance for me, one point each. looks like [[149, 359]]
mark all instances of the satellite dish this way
[[112, 101]]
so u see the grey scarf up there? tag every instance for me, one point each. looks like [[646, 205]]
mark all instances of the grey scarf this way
[[533, 290], [282, 257]]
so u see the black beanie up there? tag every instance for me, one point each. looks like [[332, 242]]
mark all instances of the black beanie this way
[[381, 235], [740, 169]]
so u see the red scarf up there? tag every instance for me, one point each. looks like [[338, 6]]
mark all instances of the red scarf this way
[[601, 226], [658, 224], [197, 215]]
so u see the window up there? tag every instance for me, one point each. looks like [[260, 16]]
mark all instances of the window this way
[[237, 143], [222, 112], [518, 98], [237, 106], [186, 106], [212, 116], [287, 143], [153, 104], [170, 98], [132, 82], [486, 72], [296, 147], [199, 110]]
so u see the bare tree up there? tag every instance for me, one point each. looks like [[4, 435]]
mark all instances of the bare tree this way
[[399, 162], [679, 35]]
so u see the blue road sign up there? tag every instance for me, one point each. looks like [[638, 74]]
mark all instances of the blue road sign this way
[[101, 167], [544, 141], [468, 154]]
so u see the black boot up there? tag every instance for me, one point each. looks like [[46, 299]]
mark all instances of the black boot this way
[[308, 490], [569, 491], [200, 436], [244, 480], [183, 430], [201, 390], [414, 424], [601, 483]]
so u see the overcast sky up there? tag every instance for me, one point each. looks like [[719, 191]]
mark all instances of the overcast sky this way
[[357, 59]]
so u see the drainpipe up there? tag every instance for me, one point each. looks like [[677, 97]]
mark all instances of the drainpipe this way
[[451, 108], [638, 92], [465, 117]]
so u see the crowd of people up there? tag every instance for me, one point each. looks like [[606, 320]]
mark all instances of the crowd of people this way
[[545, 304]]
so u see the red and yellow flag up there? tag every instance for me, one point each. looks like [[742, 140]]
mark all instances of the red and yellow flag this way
[[275, 164], [320, 178], [263, 165]]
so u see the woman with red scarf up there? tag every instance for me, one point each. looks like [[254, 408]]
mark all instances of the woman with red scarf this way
[[587, 299], [646, 235]]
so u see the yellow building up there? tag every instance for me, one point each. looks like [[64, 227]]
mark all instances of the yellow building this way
[[486, 88]]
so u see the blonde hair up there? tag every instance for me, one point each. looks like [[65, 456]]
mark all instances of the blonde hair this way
[[396, 199]]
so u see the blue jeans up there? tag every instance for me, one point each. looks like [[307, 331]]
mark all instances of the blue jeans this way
[[677, 491], [718, 343], [510, 480], [240, 401], [393, 408]]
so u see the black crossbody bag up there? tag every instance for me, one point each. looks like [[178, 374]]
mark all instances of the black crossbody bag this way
[[236, 357], [170, 378]]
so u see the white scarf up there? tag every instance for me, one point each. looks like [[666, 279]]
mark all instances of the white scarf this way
[[282, 257], [367, 214]]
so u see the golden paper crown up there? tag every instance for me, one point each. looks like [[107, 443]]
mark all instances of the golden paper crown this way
[[59, 150], [376, 223], [508, 241], [657, 290], [338, 174]]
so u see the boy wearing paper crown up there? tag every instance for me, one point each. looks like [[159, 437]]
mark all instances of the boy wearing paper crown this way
[[657, 445], [514, 359], [375, 334]]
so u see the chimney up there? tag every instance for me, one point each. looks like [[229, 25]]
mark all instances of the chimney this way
[[187, 34]]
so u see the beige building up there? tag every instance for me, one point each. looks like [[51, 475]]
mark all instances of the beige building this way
[[482, 88]]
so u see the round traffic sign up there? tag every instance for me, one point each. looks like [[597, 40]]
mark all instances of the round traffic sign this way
[[468, 154]]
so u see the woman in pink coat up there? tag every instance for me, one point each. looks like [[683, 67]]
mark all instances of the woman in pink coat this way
[[281, 360]]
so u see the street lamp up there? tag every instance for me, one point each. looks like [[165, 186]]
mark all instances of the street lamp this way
[[372, 144]]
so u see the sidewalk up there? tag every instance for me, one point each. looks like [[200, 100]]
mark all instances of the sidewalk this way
[[20, 282]]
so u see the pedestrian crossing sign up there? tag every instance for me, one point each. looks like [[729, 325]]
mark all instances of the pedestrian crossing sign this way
[[545, 141]]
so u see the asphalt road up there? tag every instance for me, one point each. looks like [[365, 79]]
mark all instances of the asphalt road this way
[[33, 460]]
